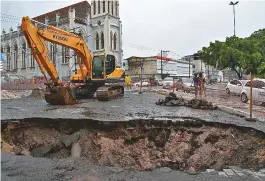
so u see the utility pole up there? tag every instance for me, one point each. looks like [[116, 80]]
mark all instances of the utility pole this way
[[162, 52], [189, 67], [233, 4], [141, 83]]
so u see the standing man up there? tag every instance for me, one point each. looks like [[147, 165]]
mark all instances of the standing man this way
[[202, 84], [196, 84], [127, 81]]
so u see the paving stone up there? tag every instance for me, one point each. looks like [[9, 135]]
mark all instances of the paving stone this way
[[260, 174], [222, 174], [210, 170], [229, 172]]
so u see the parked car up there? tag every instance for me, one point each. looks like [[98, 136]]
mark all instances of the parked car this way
[[138, 84], [187, 82], [159, 82], [235, 86], [212, 80], [258, 91], [167, 82]]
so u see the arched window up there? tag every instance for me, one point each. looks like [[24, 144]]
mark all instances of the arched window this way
[[53, 53], [8, 57], [23, 53], [94, 3], [115, 41], [65, 54], [102, 40], [97, 42], [111, 38], [112, 7], [104, 7], [15, 56], [32, 60], [116, 7], [98, 7], [108, 7]]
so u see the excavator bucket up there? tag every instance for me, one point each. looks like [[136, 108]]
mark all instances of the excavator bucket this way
[[60, 95]]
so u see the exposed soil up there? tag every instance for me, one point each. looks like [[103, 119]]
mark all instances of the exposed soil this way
[[190, 146]]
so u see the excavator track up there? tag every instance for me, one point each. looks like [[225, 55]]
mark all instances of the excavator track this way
[[108, 92]]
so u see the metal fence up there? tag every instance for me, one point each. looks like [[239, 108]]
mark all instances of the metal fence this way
[[18, 86]]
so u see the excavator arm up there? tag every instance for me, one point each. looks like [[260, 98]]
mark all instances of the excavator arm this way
[[98, 69], [36, 40]]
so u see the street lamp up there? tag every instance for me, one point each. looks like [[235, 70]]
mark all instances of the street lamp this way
[[141, 84], [162, 52], [233, 4]]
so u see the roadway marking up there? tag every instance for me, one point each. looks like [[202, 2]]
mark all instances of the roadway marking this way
[[222, 174], [229, 172], [210, 170]]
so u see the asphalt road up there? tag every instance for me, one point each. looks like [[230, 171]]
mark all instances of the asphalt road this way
[[23, 168], [131, 106]]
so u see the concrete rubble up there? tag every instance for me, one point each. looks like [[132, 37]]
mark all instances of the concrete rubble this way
[[173, 100], [17, 94]]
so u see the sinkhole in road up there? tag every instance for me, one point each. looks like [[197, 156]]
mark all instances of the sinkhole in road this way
[[187, 144]]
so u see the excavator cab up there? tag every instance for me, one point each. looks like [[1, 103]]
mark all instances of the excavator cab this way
[[102, 66]]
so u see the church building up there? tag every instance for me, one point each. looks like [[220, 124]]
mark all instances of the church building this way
[[98, 23]]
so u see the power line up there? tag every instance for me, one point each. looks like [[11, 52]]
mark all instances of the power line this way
[[9, 15]]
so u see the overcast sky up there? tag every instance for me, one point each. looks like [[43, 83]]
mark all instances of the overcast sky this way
[[182, 26]]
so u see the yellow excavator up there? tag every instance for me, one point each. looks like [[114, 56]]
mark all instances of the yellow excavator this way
[[97, 74]]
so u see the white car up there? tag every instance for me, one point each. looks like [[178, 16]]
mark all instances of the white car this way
[[168, 80], [235, 86], [258, 91], [138, 84], [187, 82]]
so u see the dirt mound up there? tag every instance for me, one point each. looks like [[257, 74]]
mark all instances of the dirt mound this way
[[140, 145]]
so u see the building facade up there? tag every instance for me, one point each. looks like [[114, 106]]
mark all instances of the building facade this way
[[151, 66], [98, 23]]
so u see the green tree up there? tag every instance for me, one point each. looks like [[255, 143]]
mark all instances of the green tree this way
[[242, 55], [261, 70]]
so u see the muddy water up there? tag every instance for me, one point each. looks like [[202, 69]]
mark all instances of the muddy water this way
[[190, 145]]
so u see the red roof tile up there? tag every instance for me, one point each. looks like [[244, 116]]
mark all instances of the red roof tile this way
[[81, 10]]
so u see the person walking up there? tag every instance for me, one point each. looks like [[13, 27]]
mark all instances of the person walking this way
[[196, 84], [128, 81], [202, 82]]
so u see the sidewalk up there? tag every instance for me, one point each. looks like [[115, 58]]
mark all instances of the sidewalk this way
[[231, 106]]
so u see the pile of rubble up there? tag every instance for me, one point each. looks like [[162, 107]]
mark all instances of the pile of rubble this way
[[6, 94], [173, 100], [17, 94]]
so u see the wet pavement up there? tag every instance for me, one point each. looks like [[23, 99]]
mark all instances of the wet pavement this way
[[131, 106], [16, 168]]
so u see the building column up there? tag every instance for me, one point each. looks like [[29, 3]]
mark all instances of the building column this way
[[71, 17]]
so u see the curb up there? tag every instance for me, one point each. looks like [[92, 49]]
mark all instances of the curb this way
[[237, 112]]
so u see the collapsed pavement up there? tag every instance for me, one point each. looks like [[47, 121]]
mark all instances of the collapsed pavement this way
[[190, 146], [173, 100]]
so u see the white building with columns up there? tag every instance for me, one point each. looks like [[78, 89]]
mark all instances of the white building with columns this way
[[84, 18]]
